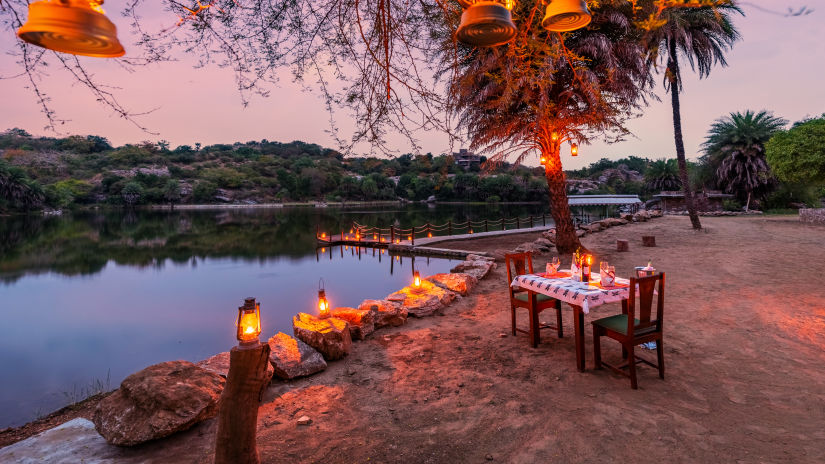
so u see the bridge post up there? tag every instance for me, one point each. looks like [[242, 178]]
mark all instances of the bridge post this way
[[486, 227], [450, 227]]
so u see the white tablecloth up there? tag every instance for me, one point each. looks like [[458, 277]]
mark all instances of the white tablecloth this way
[[572, 292]]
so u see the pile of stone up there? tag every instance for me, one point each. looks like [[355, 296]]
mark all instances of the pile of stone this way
[[752, 212]]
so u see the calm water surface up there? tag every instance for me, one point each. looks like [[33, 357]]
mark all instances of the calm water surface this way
[[89, 298]]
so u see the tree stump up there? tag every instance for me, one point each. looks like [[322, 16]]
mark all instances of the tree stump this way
[[649, 240], [238, 413], [622, 245]]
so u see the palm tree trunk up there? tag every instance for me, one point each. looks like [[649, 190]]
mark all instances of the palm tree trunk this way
[[673, 73], [566, 239]]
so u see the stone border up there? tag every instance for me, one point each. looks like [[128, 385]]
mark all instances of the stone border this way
[[812, 216]]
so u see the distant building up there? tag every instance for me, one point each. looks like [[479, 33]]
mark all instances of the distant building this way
[[674, 201], [466, 159]]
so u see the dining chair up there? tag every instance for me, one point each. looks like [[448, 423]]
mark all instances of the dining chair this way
[[520, 264], [632, 327]]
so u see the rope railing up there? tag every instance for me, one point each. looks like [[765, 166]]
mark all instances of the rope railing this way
[[393, 234]]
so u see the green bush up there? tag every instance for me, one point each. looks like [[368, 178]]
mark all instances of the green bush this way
[[731, 204], [204, 192], [493, 199]]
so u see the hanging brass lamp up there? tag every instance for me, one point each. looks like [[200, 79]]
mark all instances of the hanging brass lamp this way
[[566, 15], [486, 23], [79, 27]]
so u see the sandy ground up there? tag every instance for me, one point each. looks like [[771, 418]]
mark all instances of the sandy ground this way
[[744, 350]]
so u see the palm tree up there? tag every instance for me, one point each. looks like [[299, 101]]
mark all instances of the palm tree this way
[[17, 191], [663, 174], [702, 36], [537, 93], [735, 147]]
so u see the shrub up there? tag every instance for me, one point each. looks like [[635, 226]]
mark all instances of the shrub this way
[[731, 204]]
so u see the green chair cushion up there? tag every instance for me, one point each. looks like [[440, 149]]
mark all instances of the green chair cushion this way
[[522, 296], [618, 323]]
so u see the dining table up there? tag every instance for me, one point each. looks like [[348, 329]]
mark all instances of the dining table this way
[[580, 296]]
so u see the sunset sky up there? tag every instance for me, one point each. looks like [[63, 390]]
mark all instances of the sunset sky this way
[[778, 66]]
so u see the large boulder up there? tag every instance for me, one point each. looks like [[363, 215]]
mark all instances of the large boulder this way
[[423, 302], [219, 364], [612, 222], [361, 321], [478, 268], [385, 312], [330, 336], [293, 358], [543, 242], [528, 247], [158, 401], [455, 282], [475, 257]]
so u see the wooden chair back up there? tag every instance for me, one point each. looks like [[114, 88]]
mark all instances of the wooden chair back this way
[[518, 264], [647, 289]]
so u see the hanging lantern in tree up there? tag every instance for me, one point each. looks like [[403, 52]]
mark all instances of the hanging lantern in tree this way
[[249, 322], [574, 149], [79, 27], [566, 15], [486, 23], [543, 160], [554, 136]]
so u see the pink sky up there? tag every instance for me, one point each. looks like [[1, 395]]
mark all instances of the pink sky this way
[[778, 66]]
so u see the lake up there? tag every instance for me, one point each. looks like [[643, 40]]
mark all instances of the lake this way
[[90, 297]]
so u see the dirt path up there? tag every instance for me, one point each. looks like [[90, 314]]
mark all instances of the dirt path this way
[[744, 349]]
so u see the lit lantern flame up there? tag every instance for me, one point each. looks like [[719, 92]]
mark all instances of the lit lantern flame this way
[[589, 260], [416, 280], [409, 238], [249, 322], [554, 136], [429, 235], [350, 231], [574, 149], [323, 235], [358, 237], [471, 231], [323, 304], [375, 236], [79, 27], [543, 160]]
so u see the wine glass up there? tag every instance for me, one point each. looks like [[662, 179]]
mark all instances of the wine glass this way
[[555, 263], [603, 266]]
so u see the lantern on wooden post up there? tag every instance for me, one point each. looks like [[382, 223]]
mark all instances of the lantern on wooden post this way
[[574, 149], [249, 322], [566, 15], [486, 23], [323, 303], [79, 27], [245, 383]]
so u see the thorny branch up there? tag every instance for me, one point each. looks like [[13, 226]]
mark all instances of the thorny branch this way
[[392, 66]]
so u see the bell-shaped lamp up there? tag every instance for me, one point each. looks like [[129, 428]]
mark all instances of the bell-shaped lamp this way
[[486, 23], [78, 27], [566, 15]]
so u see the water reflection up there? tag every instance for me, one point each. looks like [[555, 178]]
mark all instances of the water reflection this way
[[103, 294]]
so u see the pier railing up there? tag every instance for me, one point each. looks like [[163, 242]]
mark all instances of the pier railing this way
[[392, 234]]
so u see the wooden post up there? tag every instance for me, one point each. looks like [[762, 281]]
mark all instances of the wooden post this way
[[392, 234], [486, 228], [518, 223], [238, 413], [412, 237], [622, 245], [450, 227], [649, 240], [531, 221]]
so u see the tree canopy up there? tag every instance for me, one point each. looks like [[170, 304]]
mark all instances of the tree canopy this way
[[798, 154]]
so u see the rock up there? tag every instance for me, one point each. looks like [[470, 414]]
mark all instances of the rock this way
[[528, 247], [385, 312], [474, 257], [550, 235], [627, 217], [455, 282], [292, 358], [423, 303], [499, 255], [581, 233], [158, 401], [219, 364], [655, 213], [75, 441], [304, 420], [543, 242], [478, 268], [330, 336], [361, 321]]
